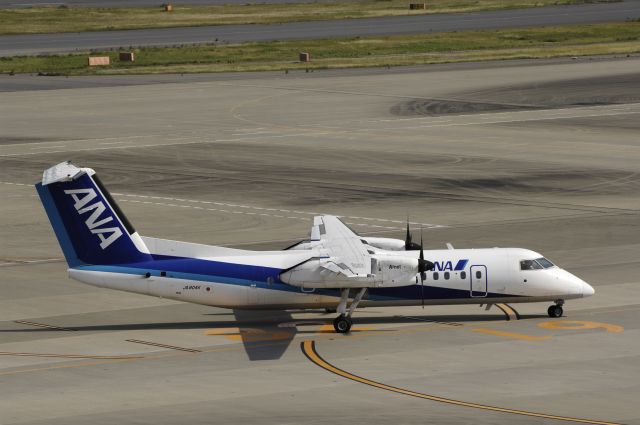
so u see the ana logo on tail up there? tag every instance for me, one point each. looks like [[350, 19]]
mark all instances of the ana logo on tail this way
[[82, 197]]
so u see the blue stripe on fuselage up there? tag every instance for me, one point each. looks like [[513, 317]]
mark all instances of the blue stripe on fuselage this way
[[245, 275]]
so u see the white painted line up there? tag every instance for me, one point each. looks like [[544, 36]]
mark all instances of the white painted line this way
[[306, 219], [47, 147], [252, 134], [541, 118], [251, 207], [194, 142], [16, 184], [19, 262], [85, 140]]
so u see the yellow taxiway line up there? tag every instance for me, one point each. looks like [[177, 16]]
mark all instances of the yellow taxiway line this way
[[514, 335], [309, 350]]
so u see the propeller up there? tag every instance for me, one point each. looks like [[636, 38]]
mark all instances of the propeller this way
[[408, 244], [423, 266]]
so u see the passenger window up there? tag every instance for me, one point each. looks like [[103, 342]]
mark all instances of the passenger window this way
[[529, 265], [463, 275], [478, 274], [446, 275], [435, 276]]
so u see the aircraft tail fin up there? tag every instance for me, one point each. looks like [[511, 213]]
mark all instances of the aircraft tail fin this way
[[89, 225]]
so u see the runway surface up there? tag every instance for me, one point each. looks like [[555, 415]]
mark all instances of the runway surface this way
[[542, 155], [11, 45], [11, 4]]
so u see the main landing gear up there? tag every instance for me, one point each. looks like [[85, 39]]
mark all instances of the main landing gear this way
[[342, 324], [556, 309]]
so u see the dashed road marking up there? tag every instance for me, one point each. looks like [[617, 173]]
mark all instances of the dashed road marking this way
[[43, 325], [21, 262], [251, 207], [142, 199], [68, 356], [157, 344], [16, 184]]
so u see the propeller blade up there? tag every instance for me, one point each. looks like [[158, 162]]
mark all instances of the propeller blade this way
[[421, 265], [422, 288], [409, 245]]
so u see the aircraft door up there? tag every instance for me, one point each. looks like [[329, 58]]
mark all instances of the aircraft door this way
[[478, 277]]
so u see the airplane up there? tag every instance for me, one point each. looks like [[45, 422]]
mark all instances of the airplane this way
[[334, 269]]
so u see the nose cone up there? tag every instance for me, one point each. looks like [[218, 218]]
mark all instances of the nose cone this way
[[587, 290], [573, 286]]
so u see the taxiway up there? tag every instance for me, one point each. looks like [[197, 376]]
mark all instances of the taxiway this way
[[542, 155]]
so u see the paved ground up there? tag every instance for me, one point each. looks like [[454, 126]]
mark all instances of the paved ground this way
[[539, 155], [10, 4], [11, 45]]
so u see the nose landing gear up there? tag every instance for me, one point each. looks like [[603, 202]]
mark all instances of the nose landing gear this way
[[556, 309]]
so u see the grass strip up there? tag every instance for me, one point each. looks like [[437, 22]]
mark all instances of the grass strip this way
[[69, 19], [545, 42]]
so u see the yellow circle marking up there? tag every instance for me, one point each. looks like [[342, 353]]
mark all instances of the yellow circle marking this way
[[580, 324], [309, 350]]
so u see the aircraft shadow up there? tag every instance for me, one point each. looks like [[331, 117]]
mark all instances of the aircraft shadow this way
[[253, 339], [264, 319], [246, 319], [262, 338]]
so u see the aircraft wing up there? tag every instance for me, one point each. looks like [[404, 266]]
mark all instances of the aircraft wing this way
[[345, 260], [343, 244]]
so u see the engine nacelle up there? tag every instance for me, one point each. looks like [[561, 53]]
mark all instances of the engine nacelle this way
[[395, 270], [388, 244], [387, 271]]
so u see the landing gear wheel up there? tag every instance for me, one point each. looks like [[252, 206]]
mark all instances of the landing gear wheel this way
[[555, 311], [342, 324]]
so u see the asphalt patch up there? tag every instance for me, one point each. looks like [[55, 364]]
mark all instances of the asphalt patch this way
[[609, 90]]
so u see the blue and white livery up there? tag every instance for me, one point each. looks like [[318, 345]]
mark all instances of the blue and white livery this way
[[335, 269]]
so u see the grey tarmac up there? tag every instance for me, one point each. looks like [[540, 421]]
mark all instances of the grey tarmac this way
[[34, 44], [540, 154]]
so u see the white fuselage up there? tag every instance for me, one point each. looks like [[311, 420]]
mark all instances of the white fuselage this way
[[482, 276]]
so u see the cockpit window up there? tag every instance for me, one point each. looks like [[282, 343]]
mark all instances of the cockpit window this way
[[545, 263], [530, 265]]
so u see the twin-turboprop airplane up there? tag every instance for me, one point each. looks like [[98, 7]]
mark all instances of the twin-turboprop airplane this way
[[335, 269]]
